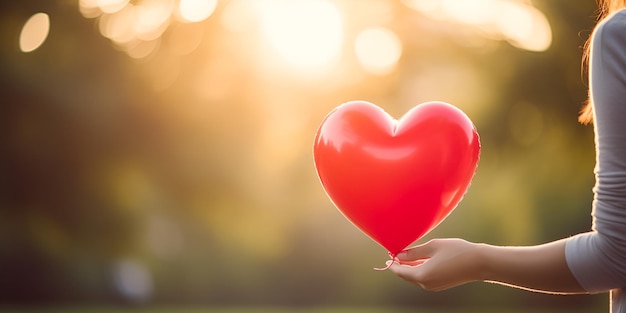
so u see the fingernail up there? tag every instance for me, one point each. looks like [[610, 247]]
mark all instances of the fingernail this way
[[403, 254]]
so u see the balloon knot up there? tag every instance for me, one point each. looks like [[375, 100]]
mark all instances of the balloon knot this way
[[389, 263]]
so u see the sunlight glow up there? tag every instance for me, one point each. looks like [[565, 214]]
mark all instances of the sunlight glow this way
[[515, 21], [152, 18], [183, 39], [136, 28], [196, 10], [111, 6], [237, 15], [142, 49], [89, 8], [524, 27], [306, 33], [94, 8], [119, 26], [34, 32], [473, 12], [378, 50]]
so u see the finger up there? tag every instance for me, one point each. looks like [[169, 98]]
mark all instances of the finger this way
[[423, 251], [399, 269], [408, 273], [413, 262]]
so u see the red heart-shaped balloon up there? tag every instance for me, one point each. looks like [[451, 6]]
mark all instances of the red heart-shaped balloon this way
[[396, 179]]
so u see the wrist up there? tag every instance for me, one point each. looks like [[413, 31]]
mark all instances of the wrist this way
[[484, 262]]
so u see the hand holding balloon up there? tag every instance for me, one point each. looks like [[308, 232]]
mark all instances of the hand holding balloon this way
[[440, 264], [396, 179]]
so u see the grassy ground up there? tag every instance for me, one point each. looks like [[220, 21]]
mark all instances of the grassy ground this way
[[251, 310]]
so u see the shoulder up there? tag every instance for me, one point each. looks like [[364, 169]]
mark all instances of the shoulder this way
[[609, 39], [613, 26]]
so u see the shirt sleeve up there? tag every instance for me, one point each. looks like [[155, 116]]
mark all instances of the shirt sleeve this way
[[598, 258]]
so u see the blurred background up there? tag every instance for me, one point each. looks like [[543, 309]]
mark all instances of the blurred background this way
[[158, 153]]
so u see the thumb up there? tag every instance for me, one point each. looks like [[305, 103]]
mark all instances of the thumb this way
[[420, 252]]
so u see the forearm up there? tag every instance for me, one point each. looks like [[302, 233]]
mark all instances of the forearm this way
[[539, 268]]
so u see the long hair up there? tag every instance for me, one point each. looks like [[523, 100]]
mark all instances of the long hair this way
[[605, 8]]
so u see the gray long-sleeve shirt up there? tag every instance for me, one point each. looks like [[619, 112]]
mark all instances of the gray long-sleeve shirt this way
[[598, 258]]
